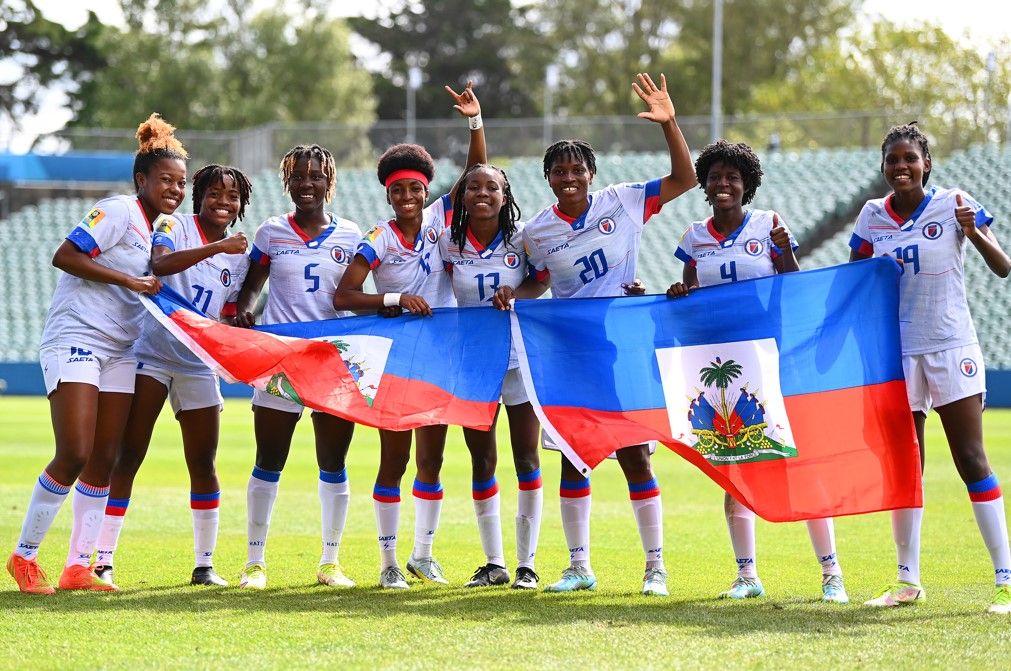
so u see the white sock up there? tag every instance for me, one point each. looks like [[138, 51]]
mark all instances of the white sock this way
[[489, 521], [529, 504], [89, 508], [427, 508], [260, 495], [906, 524], [48, 496], [112, 526], [334, 496], [741, 525], [822, 533], [205, 510], [574, 498], [648, 509], [988, 507], [386, 503]]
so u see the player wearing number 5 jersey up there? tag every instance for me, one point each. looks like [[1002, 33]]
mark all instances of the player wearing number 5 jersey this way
[[927, 231], [588, 245], [304, 253]]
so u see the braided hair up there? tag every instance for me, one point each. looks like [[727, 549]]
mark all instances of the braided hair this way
[[507, 216], [577, 150], [740, 156], [309, 152], [156, 140], [209, 175], [405, 157], [911, 132]]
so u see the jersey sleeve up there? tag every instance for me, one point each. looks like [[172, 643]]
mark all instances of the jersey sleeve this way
[[685, 250], [536, 266], [860, 241], [774, 251], [372, 246], [441, 210], [641, 200], [447, 262], [260, 253], [101, 228], [166, 230], [983, 217]]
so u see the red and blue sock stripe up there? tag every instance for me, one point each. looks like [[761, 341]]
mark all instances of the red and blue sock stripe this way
[[333, 477], [205, 501], [386, 494], [643, 490], [423, 490], [265, 475], [987, 489], [51, 485], [91, 490], [574, 489], [531, 480], [484, 489], [117, 507]]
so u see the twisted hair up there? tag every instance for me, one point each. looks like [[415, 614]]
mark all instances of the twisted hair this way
[[740, 156], [507, 216], [911, 132], [209, 175], [155, 140], [311, 151], [577, 150], [405, 157]]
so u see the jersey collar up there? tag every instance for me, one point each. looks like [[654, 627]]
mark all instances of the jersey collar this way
[[728, 240], [576, 223], [200, 231], [904, 224], [482, 251], [311, 243], [419, 240]]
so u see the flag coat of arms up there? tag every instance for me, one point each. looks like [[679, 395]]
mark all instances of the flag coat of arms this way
[[787, 391]]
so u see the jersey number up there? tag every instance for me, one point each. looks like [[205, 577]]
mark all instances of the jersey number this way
[[910, 257], [202, 293], [493, 281], [728, 271], [594, 266], [312, 279], [423, 260]]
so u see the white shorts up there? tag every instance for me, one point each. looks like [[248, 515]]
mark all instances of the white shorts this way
[[548, 444], [513, 391], [186, 391], [264, 400], [79, 363], [940, 378]]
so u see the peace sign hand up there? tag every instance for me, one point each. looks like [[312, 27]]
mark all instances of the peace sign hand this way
[[661, 107], [466, 102]]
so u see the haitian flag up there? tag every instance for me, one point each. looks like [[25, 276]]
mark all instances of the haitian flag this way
[[787, 390], [391, 373]]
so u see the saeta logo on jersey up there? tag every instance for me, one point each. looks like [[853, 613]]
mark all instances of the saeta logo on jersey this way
[[754, 247], [968, 367], [431, 235], [933, 230], [226, 277], [511, 260], [339, 255], [606, 226]]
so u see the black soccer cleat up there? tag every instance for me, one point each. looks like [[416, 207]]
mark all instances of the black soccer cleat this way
[[488, 575], [205, 575], [104, 573], [525, 578]]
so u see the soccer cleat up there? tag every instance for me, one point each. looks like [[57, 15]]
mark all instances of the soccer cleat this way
[[488, 575], [573, 578], [744, 588], [392, 577], [833, 590], [1001, 604], [333, 576], [427, 570], [654, 583], [29, 576], [253, 576], [205, 575], [525, 578], [104, 573], [76, 576], [899, 594]]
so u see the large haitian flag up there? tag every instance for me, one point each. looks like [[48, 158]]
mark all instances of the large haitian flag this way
[[391, 373], [787, 391]]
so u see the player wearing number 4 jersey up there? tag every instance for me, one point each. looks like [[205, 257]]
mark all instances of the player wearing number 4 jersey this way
[[927, 231], [304, 253], [587, 244]]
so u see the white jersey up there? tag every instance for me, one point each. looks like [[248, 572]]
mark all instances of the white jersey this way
[[477, 271], [116, 234], [596, 253], [209, 285], [745, 254], [304, 271], [411, 267], [933, 310]]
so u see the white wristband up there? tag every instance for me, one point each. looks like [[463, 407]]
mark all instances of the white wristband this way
[[391, 300], [475, 122]]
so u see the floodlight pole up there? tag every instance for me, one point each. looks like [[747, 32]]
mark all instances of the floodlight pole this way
[[413, 84], [550, 84], [716, 105]]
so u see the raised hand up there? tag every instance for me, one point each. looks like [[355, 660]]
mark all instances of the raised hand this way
[[466, 102], [965, 217], [234, 244], [661, 107], [778, 233]]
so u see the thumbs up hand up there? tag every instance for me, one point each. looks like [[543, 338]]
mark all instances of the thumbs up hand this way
[[778, 233], [965, 217]]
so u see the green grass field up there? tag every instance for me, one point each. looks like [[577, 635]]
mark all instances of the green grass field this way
[[158, 621]]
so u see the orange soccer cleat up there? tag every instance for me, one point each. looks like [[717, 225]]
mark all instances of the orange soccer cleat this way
[[29, 576], [76, 576]]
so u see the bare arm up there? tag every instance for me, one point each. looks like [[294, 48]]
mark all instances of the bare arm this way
[[251, 288], [164, 261], [529, 288], [661, 111], [349, 294], [72, 260], [467, 105], [689, 281]]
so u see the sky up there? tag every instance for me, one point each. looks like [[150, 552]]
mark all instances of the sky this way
[[984, 20]]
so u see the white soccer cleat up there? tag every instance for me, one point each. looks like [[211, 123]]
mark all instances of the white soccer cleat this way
[[392, 577], [900, 594], [254, 576], [654, 583]]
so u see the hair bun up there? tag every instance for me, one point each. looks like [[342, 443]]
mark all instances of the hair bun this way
[[155, 133]]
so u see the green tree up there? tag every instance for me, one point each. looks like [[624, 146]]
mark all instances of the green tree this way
[[720, 374]]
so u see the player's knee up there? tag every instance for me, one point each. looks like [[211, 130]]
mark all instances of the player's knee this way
[[429, 467], [483, 465], [526, 463]]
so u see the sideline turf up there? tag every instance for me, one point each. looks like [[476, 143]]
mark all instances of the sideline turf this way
[[158, 621]]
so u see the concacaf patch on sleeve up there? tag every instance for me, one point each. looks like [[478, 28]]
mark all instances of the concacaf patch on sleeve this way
[[93, 218], [164, 224], [374, 233]]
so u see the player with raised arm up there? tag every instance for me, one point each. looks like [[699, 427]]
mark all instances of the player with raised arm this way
[[927, 230], [587, 244], [736, 244]]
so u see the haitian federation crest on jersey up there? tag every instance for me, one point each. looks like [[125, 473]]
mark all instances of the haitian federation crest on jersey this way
[[117, 234], [933, 309], [304, 271], [745, 254], [411, 266], [209, 285], [725, 400], [594, 254], [478, 271]]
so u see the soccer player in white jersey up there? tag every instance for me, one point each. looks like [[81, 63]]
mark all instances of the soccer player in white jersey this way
[[87, 355], [304, 253], [483, 250], [735, 244], [927, 231], [403, 256], [196, 257], [588, 245]]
